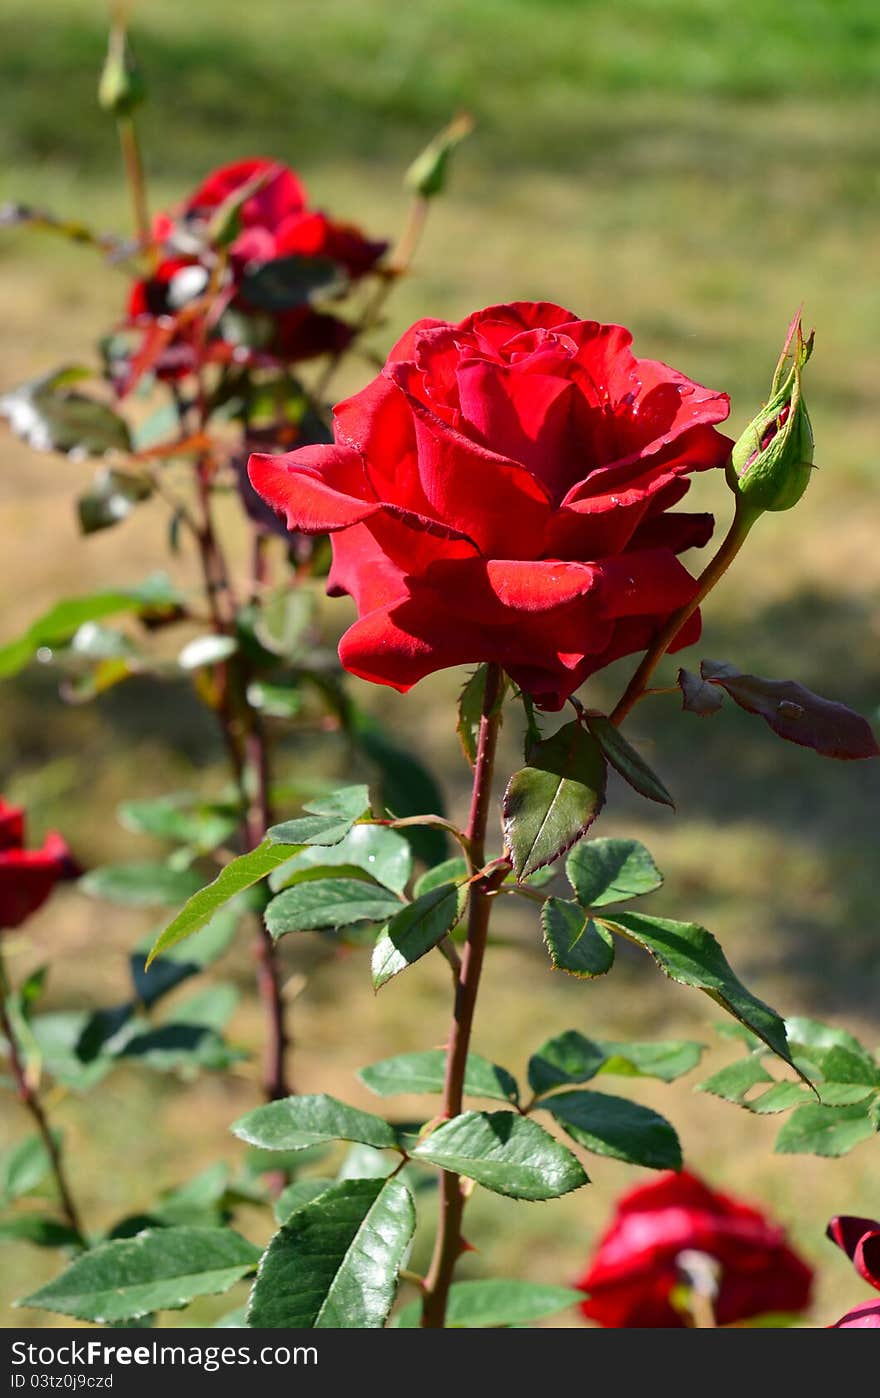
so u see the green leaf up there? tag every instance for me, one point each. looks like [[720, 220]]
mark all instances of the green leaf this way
[[347, 802], [275, 700], [573, 940], [552, 802], [56, 626], [383, 854], [157, 1271], [425, 1072], [838, 1055], [406, 786], [22, 1168], [818, 1130], [629, 763], [298, 1194], [293, 1123], [450, 871], [110, 499], [179, 963], [329, 903], [335, 1264], [211, 1007], [565, 1059], [663, 1059], [476, 1305], [310, 830], [46, 415], [199, 1203], [617, 1127], [181, 818], [238, 875], [607, 871], [171, 1047], [40, 1231], [778, 1098], [58, 1036], [141, 885], [288, 282], [736, 1080], [283, 621], [209, 649], [507, 1153], [415, 930], [687, 953], [470, 711]]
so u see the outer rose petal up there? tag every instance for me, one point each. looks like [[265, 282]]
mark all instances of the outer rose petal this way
[[863, 1317], [860, 1240], [362, 568], [319, 488]]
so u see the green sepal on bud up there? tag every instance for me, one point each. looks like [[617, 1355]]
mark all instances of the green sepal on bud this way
[[771, 464], [121, 88], [426, 176]]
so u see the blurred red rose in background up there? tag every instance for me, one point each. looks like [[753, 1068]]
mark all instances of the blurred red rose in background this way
[[259, 209], [27, 877], [501, 492], [860, 1240], [634, 1274]]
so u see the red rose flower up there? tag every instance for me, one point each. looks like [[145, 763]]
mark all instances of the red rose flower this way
[[501, 492], [274, 222], [860, 1240], [633, 1273], [27, 877]]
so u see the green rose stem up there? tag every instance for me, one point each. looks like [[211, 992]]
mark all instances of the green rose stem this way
[[134, 171], [31, 1101], [743, 519], [245, 740], [449, 1242], [120, 92]]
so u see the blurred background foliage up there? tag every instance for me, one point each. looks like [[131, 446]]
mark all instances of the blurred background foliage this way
[[690, 168]]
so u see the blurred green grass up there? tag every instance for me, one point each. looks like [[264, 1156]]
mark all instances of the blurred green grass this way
[[693, 170]]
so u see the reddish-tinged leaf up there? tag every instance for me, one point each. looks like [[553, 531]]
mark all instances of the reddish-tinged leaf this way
[[698, 696], [795, 713]]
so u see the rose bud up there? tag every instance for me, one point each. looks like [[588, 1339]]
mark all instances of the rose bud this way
[[121, 88], [771, 463], [427, 174]]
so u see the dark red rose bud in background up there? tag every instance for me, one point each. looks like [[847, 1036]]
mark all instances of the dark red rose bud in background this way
[[859, 1238], [502, 492], [27, 877], [634, 1275]]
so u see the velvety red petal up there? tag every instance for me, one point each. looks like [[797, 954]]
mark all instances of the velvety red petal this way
[[317, 488], [523, 416], [675, 532], [362, 569], [864, 1317], [281, 195], [378, 423], [860, 1240], [493, 500]]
